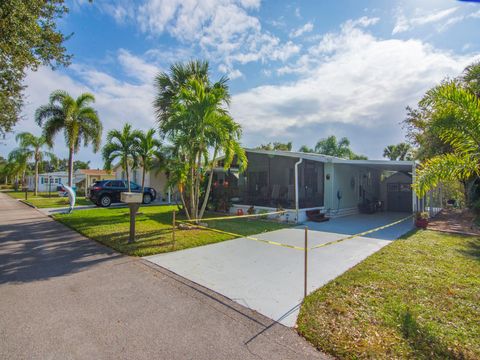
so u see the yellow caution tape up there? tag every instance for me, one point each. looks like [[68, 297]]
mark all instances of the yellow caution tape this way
[[247, 237], [235, 216], [363, 233]]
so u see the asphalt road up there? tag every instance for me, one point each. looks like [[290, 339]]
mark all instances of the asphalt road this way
[[63, 296]]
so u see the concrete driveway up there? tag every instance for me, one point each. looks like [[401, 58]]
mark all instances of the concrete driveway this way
[[63, 296], [269, 279]]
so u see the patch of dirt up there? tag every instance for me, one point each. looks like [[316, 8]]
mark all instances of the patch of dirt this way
[[455, 221]]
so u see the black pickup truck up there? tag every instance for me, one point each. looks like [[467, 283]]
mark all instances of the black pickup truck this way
[[105, 192]]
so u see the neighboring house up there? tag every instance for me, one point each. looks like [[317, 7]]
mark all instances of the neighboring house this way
[[299, 182], [48, 182], [154, 179], [84, 178]]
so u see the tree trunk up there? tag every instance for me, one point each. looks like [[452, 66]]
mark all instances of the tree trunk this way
[[198, 181], [192, 188], [143, 179], [35, 187], [70, 167], [128, 176], [209, 185], [187, 213]]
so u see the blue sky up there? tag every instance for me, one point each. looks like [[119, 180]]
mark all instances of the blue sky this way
[[299, 70]]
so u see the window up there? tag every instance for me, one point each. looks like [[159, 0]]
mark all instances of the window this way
[[270, 181], [117, 183], [134, 186]]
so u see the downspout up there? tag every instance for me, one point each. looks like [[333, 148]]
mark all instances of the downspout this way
[[296, 187]]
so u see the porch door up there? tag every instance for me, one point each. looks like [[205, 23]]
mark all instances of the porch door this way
[[399, 197]]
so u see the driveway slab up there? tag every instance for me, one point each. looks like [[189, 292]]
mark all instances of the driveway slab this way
[[63, 296], [270, 279]]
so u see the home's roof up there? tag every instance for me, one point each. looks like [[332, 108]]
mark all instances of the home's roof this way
[[55, 173], [94, 172], [405, 166]]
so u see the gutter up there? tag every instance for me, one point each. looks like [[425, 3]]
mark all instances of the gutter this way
[[296, 187]]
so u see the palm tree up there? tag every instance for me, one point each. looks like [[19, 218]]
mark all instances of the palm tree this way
[[330, 146], [390, 152], [147, 148], [18, 164], [33, 146], [78, 120], [456, 119], [192, 113], [122, 145], [306, 149]]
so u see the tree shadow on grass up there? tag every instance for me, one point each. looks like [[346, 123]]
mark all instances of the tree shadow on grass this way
[[472, 249], [425, 344]]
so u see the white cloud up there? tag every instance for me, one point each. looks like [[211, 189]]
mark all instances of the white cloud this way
[[350, 79], [404, 23], [136, 67], [308, 27], [226, 31]]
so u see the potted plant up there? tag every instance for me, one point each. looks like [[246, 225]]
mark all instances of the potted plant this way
[[421, 219]]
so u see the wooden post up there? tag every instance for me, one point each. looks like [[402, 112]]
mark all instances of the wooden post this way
[[173, 230], [306, 263], [133, 213]]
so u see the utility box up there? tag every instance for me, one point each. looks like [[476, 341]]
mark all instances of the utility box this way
[[131, 197]]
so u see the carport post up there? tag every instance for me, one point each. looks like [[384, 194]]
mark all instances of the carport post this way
[[306, 263]]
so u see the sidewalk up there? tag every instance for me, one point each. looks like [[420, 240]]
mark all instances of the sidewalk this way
[[64, 296]]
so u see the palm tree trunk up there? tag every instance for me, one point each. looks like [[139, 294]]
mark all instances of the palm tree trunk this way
[[70, 166], [143, 179], [187, 213], [209, 185], [35, 188], [192, 188], [128, 176], [197, 184]]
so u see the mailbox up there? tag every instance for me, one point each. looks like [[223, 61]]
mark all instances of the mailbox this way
[[131, 197]]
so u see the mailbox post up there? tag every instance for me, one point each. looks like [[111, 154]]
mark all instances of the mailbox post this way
[[133, 200]]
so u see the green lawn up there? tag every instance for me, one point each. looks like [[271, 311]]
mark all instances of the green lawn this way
[[43, 200], [418, 298], [110, 226]]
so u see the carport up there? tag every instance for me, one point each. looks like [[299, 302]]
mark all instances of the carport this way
[[268, 278]]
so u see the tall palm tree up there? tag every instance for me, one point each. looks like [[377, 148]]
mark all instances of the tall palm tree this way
[[456, 119], [18, 164], [33, 147], [168, 85], [76, 117], [147, 148], [390, 152], [330, 146], [122, 145], [192, 113]]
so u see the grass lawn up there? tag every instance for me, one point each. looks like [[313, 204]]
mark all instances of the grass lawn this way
[[110, 226], [418, 298], [42, 200]]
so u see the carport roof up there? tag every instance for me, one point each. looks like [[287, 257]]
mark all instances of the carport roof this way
[[405, 166]]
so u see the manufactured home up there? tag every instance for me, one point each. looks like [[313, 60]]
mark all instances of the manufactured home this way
[[302, 183]]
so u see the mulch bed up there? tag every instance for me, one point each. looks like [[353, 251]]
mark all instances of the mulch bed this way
[[455, 221]]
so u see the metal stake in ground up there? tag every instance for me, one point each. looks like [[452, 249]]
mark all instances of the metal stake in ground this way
[[133, 214], [173, 229], [306, 263]]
